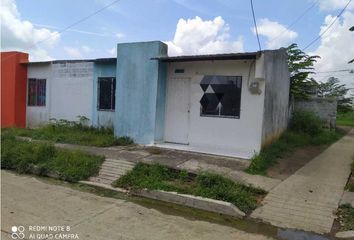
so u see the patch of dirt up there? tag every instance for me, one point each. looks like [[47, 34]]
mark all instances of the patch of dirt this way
[[294, 160]]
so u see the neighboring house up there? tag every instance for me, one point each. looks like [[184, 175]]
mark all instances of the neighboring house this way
[[227, 104], [67, 89]]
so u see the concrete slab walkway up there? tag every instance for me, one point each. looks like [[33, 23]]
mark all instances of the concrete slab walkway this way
[[308, 199]]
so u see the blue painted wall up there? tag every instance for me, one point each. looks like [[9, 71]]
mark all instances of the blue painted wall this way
[[102, 69], [140, 91]]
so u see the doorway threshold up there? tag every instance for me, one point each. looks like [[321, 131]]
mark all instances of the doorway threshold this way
[[204, 150]]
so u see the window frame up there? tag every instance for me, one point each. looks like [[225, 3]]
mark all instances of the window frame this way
[[113, 94], [43, 89], [238, 116]]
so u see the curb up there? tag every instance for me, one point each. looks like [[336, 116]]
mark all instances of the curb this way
[[105, 186], [347, 198], [345, 234], [206, 204]]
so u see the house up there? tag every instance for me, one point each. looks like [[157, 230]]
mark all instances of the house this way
[[226, 104]]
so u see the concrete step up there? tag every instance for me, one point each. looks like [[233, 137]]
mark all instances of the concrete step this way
[[113, 172], [113, 175], [101, 180], [108, 177], [117, 164], [111, 160], [116, 167]]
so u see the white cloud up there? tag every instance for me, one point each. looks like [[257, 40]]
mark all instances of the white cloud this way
[[335, 49], [195, 36], [73, 52], [332, 5], [112, 52], [277, 34], [120, 35], [86, 49], [21, 35]]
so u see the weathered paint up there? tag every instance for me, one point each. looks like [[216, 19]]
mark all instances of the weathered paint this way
[[39, 115], [139, 91], [160, 103], [69, 86], [104, 118], [324, 108], [227, 136], [276, 102], [13, 89]]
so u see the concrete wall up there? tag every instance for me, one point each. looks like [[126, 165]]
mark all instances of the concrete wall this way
[[276, 102], [326, 109], [138, 81], [105, 118], [69, 91], [72, 90], [39, 115], [238, 137]]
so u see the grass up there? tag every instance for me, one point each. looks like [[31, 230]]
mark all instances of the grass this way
[[345, 118], [73, 133], [305, 129], [345, 215], [42, 158], [158, 177], [350, 185], [288, 142]]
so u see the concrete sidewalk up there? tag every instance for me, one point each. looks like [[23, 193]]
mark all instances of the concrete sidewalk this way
[[308, 199], [29, 202]]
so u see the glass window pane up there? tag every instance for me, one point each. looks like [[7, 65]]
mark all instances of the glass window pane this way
[[222, 95], [107, 89]]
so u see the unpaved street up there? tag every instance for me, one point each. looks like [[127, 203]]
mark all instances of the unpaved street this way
[[53, 211]]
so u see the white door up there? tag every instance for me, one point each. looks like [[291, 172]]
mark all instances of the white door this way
[[177, 110]]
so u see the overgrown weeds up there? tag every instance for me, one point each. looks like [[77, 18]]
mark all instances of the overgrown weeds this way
[[345, 118], [209, 185], [304, 129], [74, 132], [345, 216], [42, 158]]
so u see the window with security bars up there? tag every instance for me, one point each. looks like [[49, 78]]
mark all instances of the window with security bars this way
[[222, 96], [106, 93], [36, 92]]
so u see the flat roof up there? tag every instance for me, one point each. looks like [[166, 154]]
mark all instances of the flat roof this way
[[224, 56], [75, 61]]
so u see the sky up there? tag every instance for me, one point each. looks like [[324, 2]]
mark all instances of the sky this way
[[187, 26]]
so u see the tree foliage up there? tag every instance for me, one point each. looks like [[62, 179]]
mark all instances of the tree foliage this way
[[333, 89], [300, 67]]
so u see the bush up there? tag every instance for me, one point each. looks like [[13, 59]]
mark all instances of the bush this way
[[306, 122], [41, 158]]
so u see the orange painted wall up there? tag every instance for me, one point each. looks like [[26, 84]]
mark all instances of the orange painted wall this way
[[13, 89]]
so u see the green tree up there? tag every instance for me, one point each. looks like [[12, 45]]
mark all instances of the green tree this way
[[333, 89], [301, 67]]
